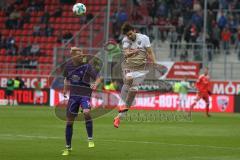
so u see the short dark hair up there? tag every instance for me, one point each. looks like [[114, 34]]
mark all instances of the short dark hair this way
[[126, 27]]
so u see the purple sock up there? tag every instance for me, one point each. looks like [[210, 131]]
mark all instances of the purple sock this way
[[68, 134], [89, 128]]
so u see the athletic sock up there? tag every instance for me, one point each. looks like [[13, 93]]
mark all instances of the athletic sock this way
[[89, 128], [68, 134]]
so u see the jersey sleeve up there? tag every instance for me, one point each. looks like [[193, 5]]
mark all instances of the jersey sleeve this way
[[198, 82], [92, 72], [146, 42], [125, 43], [65, 73]]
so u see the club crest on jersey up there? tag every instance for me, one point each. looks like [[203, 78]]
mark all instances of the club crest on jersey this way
[[75, 78], [222, 102]]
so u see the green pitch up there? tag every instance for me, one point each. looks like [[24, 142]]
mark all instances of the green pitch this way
[[34, 133]]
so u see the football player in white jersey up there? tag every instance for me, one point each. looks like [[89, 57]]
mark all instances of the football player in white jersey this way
[[137, 54]]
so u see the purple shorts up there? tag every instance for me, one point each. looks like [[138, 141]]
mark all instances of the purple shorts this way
[[75, 102]]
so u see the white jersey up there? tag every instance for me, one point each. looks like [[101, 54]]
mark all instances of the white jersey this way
[[142, 42]]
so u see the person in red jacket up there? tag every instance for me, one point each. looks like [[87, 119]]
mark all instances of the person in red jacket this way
[[203, 90]]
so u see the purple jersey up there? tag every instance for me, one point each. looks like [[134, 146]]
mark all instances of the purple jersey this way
[[80, 77]]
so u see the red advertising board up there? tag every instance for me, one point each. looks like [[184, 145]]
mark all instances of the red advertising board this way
[[26, 96], [156, 101], [28, 81], [180, 70], [225, 87]]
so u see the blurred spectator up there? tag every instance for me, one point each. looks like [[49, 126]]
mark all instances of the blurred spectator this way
[[198, 48], [12, 48], [215, 37], [21, 82], [89, 17], [38, 94], [173, 36], [26, 63], [238, 43], [193, 33], [152, 11], [3, 42], [122, 17], [9, 91], [48, 30], [162, 22], [57, 12], [12, 21], [226, 37], [39, 5], [114, 20], [197, 19], [59, 36], [26, 17], [10, 41], [26, 50], [222, 20], [111, 85], [16, 83], [232, 23], [136, 16], [35, 49], [9, 9], [36, 5], [37, 30], [137, 2], [180, 27], [66, 36], [68, 1], [162, 10], [45, 17]]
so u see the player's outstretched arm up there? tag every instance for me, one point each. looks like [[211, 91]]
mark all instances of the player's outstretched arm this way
[[130, 52], [65, 87], [97, 82], [151, 55]]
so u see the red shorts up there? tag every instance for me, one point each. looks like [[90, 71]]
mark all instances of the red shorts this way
[[204, 96]]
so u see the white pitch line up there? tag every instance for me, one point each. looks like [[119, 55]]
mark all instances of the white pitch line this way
[[127, 141], [29, 136], [172, 144]]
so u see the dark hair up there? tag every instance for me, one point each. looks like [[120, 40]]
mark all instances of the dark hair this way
[[126, 27]]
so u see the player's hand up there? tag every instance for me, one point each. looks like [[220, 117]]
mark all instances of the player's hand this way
[[130, 52], [64, 94], [93, 86]]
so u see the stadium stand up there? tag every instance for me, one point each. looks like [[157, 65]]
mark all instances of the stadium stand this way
[[47, 24]]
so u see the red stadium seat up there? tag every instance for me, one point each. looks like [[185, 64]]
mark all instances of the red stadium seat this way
[[65, 14], [52, 20], [5, 32], [35, 19], [58, 20], [3, 52], [25, 32], [67, 7], [49, 46]]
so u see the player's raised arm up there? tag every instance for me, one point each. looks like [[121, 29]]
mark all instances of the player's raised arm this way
[[151, 55], [65, 87]]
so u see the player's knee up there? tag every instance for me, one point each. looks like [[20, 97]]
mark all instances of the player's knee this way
[[128, 81], [133, 89], [86, 111], [87, 116], [69, 122]]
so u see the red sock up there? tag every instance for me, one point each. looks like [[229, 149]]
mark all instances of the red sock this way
[[191, 107], [207, 109]]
